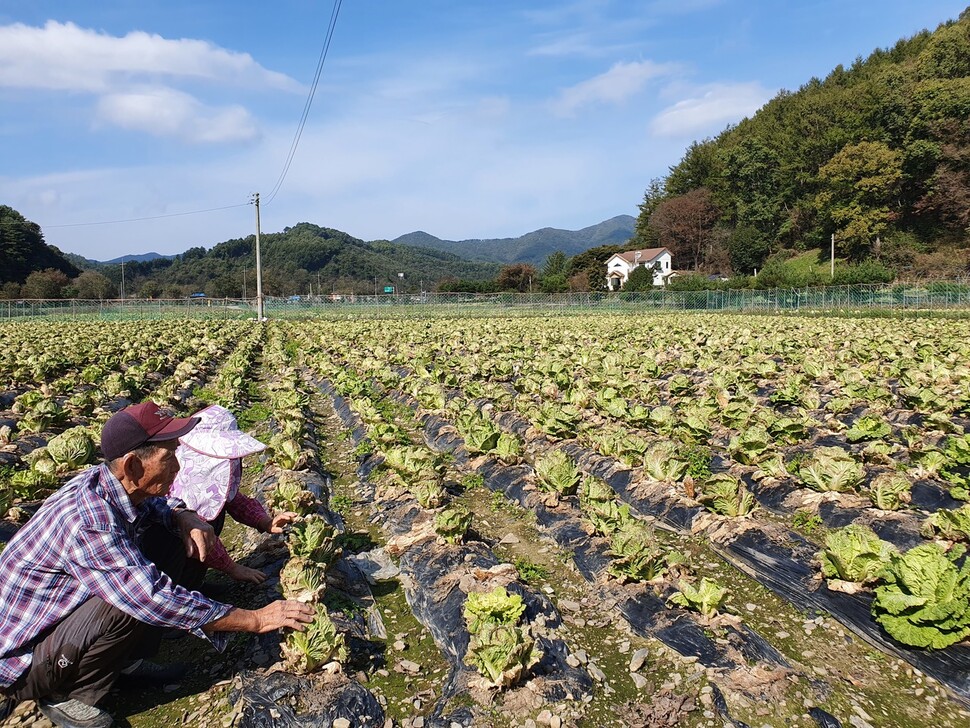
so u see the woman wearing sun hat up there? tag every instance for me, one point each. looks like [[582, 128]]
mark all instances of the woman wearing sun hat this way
[[208, 482]]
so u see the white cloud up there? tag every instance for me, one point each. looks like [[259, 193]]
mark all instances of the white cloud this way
[[621, 82], [64, 57], [167, 112], [711, 107]]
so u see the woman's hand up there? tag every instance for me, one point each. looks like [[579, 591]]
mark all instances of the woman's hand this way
[[280, 520], [245, 574]]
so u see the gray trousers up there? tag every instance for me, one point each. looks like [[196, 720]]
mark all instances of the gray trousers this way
[[80, 656]]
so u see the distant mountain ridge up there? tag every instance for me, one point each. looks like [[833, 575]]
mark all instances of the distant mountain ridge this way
[[89, 264], [136, 258], [532, 247]]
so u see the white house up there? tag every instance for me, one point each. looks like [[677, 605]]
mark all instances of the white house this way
[[619, 267]]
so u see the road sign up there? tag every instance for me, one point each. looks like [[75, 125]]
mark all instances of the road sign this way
[[388, 289]]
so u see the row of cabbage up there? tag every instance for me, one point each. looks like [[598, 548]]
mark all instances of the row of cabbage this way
[[869, 412], [51, 426], [502, 647]]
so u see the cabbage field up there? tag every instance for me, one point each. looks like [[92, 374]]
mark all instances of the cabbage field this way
[[656, 520]]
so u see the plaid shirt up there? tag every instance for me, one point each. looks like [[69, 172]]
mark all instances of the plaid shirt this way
[[82, 543]]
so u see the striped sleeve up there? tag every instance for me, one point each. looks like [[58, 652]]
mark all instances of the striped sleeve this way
[[103, 559], [247, 511], [218, 557]]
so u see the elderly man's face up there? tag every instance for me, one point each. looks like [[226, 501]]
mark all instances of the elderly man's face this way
[[159, 470]]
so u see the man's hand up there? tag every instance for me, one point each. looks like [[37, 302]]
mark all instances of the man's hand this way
[[277, 522], [284, 613], [273, 616], [245, 574], [197, 535]]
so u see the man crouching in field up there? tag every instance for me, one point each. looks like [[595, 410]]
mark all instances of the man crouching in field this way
[[79, 598]]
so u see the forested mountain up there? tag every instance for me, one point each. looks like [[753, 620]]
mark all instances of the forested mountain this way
[[877, 153], [23, 250], [302, 257], [532, 247]]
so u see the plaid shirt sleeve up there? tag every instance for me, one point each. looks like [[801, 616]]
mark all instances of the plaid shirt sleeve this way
[[105, 561], [247, 511]]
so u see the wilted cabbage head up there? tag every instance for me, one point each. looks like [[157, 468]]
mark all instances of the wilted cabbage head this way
[[72, 449]]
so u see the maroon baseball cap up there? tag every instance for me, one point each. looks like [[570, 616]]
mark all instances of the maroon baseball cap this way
[[133, 426]]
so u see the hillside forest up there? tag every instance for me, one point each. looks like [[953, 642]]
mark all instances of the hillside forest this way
[[877, 154]]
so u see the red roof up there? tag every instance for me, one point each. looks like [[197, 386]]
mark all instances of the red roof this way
[[645, 256]]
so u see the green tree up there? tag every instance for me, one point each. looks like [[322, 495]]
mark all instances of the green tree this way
[[748, 248], [93, 285], [47, 283], [645, 236], [225, 286], [150, 289], [556, 264], [553, 279], [520, 277], [860, 185], [23, 250], [640, 279], [700, 167]]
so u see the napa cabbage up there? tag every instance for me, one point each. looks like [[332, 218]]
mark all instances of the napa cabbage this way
[[924, 600], [854, 554], [705, 598], [557, 472], [830, 469], [500, 649]]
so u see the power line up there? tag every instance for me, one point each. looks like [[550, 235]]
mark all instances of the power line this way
[[152, 217], [309, 101]]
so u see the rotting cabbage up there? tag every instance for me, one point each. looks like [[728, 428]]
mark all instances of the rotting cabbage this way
[[831, 469], [952, 525], [501, 650], [71, 449], [427, 489], [452, 523], [304, 652], [705, 598], [751, 446], [924, 600], [556, 472], [890, 491], [508, 448], [664, 462], [868, 427], [558, 421], [480, 435], [290, 495], [600, 505], [313, 538], [727, 496], [854, 554], [636, 554], [303, 580], [407, 459]]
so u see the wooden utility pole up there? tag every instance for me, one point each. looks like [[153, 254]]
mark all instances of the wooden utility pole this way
[[259, 267]]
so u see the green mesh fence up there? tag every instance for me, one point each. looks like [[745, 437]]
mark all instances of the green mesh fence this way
[[940, 296]]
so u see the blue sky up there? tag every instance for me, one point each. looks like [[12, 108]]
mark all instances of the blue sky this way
[[462, 118]]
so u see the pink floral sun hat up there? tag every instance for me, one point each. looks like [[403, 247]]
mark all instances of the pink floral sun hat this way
[[210, 461], [218, 435]]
